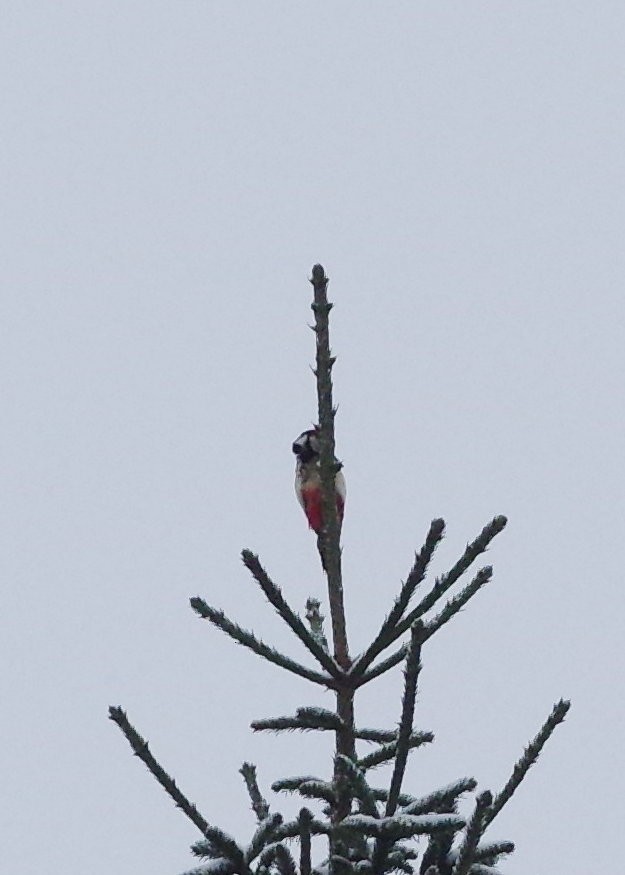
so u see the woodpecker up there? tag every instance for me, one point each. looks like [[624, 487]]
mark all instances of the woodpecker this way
[[308, 481]]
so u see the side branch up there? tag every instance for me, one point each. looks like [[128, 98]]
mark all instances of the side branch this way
[[475, 828], [413, 668], [443, 583], [528, 759], [274, 595], [242, 636], [259, 803], [141, 749], [417, 573], [452, 607], [305, 718], [389, 751], [329, 538]]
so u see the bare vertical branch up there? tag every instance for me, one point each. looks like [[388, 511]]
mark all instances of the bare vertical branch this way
[[330, 549], [329, 537]]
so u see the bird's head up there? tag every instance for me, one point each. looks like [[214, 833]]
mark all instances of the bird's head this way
[[306, 446]]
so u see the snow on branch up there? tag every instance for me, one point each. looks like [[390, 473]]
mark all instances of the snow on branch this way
[[318, 790], [218, 866], [290, 785], [443, 797], [360, 788], [264, 835], [315, 620], [305, 719], [475, 828], [401, 826], [388, 751], [280, 857], [490, 852]]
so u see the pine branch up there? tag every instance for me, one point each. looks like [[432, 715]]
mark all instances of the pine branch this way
[[413, 668], [441, 585], [481, 869], [388, 751], [528, 759], [382, 736], [291, 785], [329, 538], [329, 542], [225, 846], [292, 829], [259, 803], [141, 749], [305, 820], [443, 797], [411, 675], [437, 853], [318, 790], [475, 828], [398, 857], [417, 573], [248, 639], [315, 621], [264, 835], [360, 788], [451, 608], [456, 603], [278, 855], [400, 826], [276, 832], [340, 865], [382, 795], [284, 861], [274, 595], [390, 662], [490, 853], [305, 718], [218, 866]]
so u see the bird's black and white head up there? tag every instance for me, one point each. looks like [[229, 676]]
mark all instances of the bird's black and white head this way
[[306, 446]]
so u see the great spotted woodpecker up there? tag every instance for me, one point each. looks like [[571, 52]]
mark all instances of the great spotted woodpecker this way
[[308, 481]]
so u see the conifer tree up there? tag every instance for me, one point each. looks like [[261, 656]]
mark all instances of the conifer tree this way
[[367, 829]]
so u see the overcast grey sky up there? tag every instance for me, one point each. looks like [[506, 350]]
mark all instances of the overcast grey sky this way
[[171, 171]]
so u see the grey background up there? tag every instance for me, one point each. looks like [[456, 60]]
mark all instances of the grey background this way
[[171, 171]]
